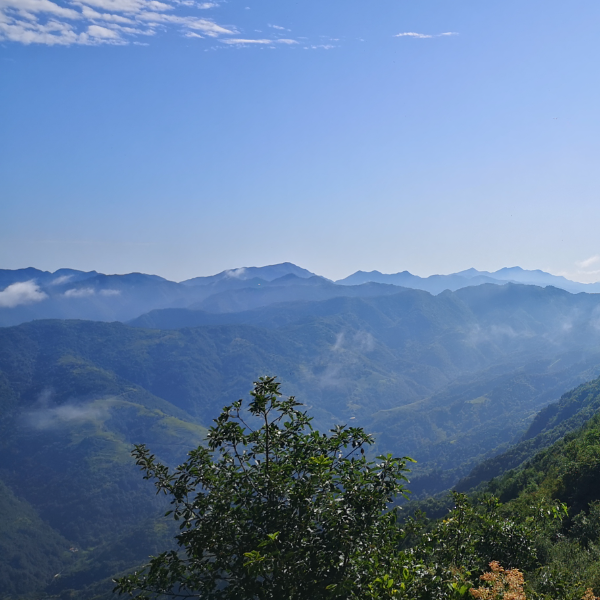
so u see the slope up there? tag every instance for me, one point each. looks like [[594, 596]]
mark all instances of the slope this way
[[551, 424]]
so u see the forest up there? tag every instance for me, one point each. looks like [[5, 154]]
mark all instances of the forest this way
[[281, 511]]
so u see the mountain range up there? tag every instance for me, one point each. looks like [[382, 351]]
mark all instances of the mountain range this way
[[28, 294]]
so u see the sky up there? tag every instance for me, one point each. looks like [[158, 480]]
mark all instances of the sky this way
[[182, 138]]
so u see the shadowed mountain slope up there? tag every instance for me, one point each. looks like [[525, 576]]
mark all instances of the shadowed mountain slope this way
[[551, 424]]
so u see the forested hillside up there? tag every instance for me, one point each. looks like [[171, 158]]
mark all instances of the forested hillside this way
[[551, 424], [450, 380], [540, 521]]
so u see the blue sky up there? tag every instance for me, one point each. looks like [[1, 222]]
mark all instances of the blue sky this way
[[183, 138]]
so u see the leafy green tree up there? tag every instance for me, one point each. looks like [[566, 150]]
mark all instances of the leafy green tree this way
[[272, 509]]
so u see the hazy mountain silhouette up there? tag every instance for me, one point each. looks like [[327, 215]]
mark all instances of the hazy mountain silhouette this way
[[28, 294], [267, 273], [438, 283]]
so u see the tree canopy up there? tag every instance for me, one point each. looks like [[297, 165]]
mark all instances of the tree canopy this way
[[271, 508]]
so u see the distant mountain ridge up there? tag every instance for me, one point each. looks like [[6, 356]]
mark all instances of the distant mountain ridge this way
[[10, 276], [29, 294], [268, 273], [469, 277]]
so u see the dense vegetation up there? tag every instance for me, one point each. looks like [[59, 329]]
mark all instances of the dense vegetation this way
[[542, 518], [253, 516], [451, 380], [275, 509], [551, 424]]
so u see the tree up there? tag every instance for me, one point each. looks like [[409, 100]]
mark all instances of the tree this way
[[273, 509]]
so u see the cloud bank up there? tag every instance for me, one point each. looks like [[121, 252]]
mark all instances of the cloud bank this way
[[97, 22], [24, 292]]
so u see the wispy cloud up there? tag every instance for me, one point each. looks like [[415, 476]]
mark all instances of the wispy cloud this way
[[60, 280], [585, 271], [425, 36], [45, 415], [24, 292], [96, 22], [79, 292], [122, 22], [200, 5], [320, 47], [588, 262], [53, 418], [265, 42]]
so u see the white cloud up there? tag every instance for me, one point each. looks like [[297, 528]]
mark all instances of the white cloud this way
[[240, 41], [79, 292], [93, 15], [584, 271], [52, 418], [28, 8], [243, 41], [236, 273], [50, 33], [102, 32], [423, 36], [204, 25], [23, 292], [127, 6], [60, 280], [413, 34], [110, 292], [589, 262], [46, 416], [95, 22]]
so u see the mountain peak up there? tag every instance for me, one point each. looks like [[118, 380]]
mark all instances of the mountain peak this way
[[266, 273]]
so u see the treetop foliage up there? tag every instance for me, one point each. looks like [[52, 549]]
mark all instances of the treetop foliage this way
[[274, 509]]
